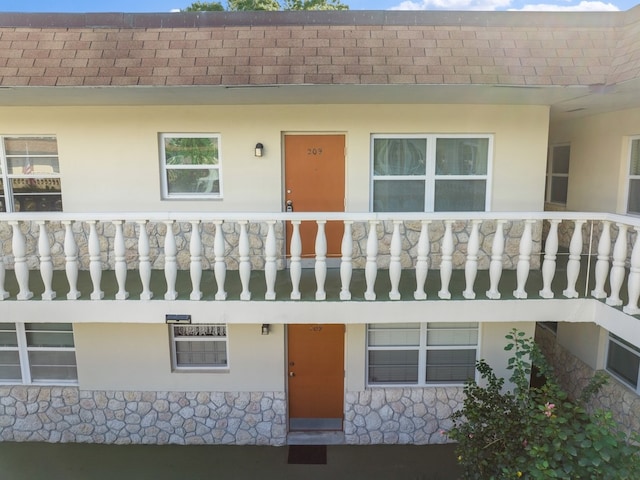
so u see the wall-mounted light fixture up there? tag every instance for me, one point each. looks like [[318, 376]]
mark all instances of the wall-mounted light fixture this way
[[265, 329], [259, 149], [177, 318]]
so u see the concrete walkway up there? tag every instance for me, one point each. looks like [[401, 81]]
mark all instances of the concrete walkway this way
[[44, 461]]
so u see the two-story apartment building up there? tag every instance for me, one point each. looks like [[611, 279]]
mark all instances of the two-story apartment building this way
[[237, 227]]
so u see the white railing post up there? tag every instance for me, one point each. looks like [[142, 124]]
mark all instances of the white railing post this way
[[21, 269], [170, 264], [46, 265], [371, 267], [550, 255], [321, 260], [422, 262], [195, 265], [446, 264], [220, 266], [144, 261], [471, 265], [270, 269], [295, 267], [395, 266], [633, 282], [573, 265], [524, 260], [616, 277], [495, 266], [346, 265], [119, 250], [95, 261], [71, 260], [245, 265], [602, 264], [3, 293]]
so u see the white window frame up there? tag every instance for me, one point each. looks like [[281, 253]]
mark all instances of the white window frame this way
[[422, 349], [6, 177], [430, 178], [630, 177], [164, 168], [633, 350], [204, 368], [551, 176], [23, 350]]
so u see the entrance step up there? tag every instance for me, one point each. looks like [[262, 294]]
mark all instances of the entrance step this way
[[315, 438]]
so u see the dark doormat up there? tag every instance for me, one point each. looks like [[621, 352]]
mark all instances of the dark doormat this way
[[307, 455]]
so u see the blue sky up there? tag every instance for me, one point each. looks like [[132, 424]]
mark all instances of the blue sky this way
[[168, 5]]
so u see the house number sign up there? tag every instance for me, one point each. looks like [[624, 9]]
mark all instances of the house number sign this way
[[315, 151]]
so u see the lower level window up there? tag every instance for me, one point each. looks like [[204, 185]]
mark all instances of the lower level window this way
[[623, 360], [421, 353], [199, 346], [37, 353]]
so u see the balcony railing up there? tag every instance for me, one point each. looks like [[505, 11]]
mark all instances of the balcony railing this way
[[398, 247]]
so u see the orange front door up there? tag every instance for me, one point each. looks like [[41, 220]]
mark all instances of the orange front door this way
[[314, 182], [316, 376]]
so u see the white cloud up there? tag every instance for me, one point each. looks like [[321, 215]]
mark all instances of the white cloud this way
[[452, 5], [583, 6]]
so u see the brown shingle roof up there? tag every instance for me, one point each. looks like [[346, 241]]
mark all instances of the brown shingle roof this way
[[288, 48]]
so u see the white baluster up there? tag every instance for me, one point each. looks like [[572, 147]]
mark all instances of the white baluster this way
[[495, 266], [245, 265], [95, 261], [602, 264], [144, 261], [616, 277], [346, 265], [371, 267], [20, 267], [71, 260], [170, 264], [195, 266], [573, 265], [633, 282], [270, 251], [321, 261], [3, 293], [395, 267], [46, 265], [295, 267], [422, 262], [471, 265], [119, 249], [446, 265], [220, 266], [549, 263], [524, 260]]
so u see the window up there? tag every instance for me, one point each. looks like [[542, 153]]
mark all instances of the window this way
[[199, 346], [430, 173], [421, 353], [37, 353], [558, 174], [623, 360], [633, 205], [29, 175], [190, 166]]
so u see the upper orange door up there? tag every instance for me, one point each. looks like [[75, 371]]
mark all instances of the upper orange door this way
[[314, 182]]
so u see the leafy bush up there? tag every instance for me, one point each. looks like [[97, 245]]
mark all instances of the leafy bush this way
[[537, 432]]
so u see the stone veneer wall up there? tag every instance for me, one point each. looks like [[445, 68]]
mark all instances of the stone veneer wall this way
[[401, 415], [257, 232], [68, 414], [573, 375]]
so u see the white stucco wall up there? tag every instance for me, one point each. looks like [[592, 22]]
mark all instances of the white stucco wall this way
[[109, 155], [586, 341]]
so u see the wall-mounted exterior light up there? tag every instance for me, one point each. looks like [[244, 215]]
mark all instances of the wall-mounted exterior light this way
[[177, 318], [259, 149], [265, 329]]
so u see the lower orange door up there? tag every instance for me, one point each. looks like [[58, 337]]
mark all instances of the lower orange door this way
[[316, 376]]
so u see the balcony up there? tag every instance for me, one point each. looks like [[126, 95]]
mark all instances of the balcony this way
[[257, 258]]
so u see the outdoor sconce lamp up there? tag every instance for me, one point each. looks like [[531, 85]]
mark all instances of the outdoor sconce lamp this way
[[259, 149], [177, 318], [265, 329]]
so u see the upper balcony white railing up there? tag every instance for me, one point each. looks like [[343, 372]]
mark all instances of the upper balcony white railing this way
[[599, 245]]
